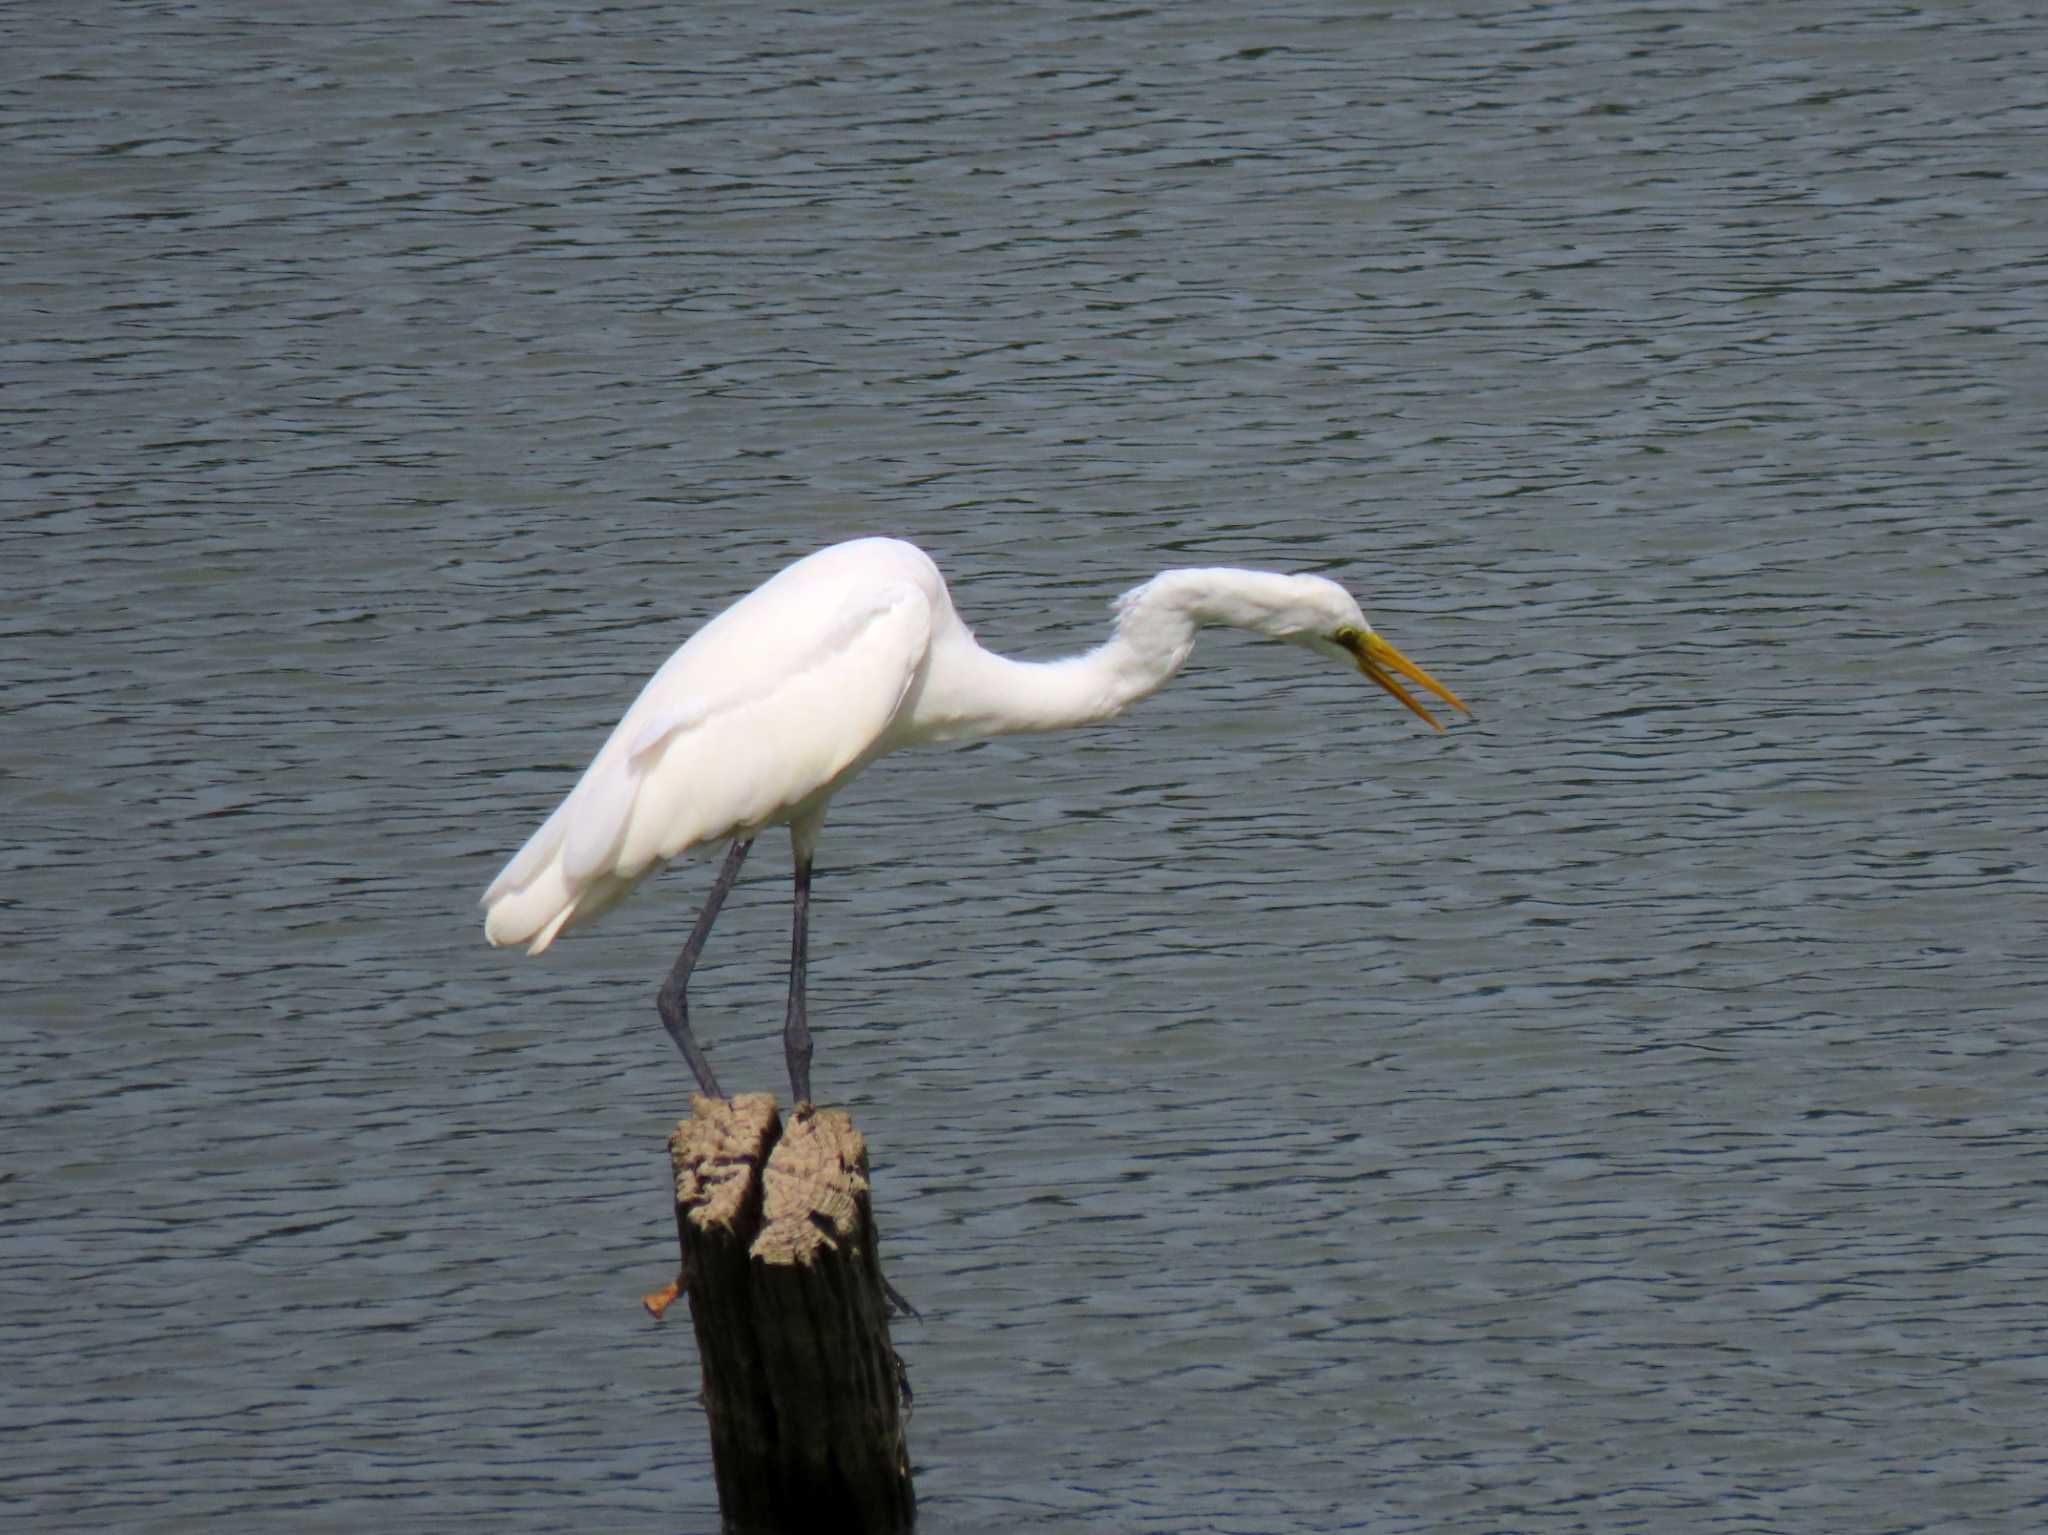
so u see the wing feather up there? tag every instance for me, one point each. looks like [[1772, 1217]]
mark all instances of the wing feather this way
[[758, 717], [754, 760]]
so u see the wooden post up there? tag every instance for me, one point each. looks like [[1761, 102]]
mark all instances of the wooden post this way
[[779, 1260]]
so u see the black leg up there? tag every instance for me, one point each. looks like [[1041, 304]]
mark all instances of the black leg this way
[[674, 1006], [796, 1028]]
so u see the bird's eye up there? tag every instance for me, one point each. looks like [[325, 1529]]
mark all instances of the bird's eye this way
[[1348, 637]]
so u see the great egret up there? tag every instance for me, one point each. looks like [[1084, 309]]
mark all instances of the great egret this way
[[849, 653]]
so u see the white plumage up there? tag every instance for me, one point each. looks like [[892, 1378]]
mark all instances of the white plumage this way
[[752, 722], [849, 653]]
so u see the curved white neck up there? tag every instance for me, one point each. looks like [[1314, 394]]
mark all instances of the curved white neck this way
[[971, 692]]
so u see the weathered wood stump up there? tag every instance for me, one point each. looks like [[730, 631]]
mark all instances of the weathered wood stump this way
[[779, 1261]]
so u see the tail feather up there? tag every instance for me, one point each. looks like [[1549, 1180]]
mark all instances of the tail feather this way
[[538, 913], [523, 868], [531, 913]]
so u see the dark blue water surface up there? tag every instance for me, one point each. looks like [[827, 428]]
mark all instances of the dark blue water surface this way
[[1624, 1112]]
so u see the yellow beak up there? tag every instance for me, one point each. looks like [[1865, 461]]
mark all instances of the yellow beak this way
[[1380, 661]]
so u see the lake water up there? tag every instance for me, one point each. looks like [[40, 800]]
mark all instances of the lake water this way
[[1624, 1111]]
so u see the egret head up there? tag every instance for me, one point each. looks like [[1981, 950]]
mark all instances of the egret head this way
[[1313, 612], [1325, 618]]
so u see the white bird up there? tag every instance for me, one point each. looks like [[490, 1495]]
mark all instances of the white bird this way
[[849, 653]]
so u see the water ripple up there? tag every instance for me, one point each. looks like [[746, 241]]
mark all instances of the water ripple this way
[[1622, 1111]]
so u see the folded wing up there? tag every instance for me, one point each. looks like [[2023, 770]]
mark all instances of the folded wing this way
[[758, 717]]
